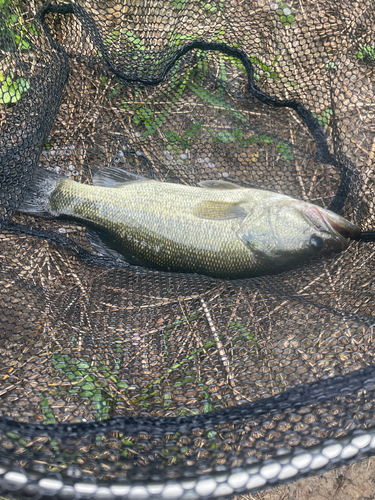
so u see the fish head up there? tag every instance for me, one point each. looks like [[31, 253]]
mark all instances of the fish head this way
[[286, 231]]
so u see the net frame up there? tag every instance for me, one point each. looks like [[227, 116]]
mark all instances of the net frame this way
[[349, 441]]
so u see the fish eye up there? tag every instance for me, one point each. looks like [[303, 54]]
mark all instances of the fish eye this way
[[316, 242]]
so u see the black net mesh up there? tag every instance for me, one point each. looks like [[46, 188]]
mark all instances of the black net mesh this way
[[121, 381]]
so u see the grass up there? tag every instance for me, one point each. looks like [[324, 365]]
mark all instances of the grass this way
[[193, 80], [102, 387]]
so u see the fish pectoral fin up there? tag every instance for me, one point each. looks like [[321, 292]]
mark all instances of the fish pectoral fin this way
[[115, 177], [220, 210], [218, 185]]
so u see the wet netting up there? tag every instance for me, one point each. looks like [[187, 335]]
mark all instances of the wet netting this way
[[119, 380]]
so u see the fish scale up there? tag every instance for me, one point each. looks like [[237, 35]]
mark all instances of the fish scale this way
[[217, 229]]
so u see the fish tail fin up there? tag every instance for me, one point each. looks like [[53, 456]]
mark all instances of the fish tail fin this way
[[37, 198]]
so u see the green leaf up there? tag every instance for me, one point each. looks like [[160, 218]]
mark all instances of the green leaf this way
[[83, 366], [215, 100], [193, 129], [177, 39], [172, 136], [323, 118], [99, 398], [21, 42], [112, 37], [12, 435], [142, 115], [225, 137], [366, 52], [285, 151], [101, 383], [88, 387], [153, 126], [9, 92], [179, 4], [183, 141], [123, 34], [86, 394], [133, 39], [60, 366]]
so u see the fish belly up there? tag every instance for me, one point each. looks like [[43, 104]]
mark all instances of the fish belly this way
[[157, 228]]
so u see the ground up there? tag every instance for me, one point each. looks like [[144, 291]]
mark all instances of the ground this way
[[350, 482]]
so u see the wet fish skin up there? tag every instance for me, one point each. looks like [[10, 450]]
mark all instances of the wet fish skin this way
[[217, 229]]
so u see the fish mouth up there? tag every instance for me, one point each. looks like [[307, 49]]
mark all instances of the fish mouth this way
[[339, 225], [324, 220]]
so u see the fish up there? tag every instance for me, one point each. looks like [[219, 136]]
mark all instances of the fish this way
[[217, 228]]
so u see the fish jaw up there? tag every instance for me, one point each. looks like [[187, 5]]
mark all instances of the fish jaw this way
[[342, 226], [325, 220]]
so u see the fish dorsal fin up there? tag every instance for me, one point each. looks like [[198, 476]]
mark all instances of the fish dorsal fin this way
[[220, 210], [218, 185], [115, 177]]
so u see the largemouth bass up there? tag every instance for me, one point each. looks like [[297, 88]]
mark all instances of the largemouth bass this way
[[217, 228]]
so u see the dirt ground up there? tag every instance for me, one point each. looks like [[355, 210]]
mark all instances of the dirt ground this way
[[350, 482]]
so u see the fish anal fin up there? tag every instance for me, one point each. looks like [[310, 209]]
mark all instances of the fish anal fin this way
[[218, 185], [115, 177], [103, 246], [220, 210]]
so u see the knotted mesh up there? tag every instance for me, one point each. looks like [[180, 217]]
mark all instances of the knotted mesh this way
[[122, 381]]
